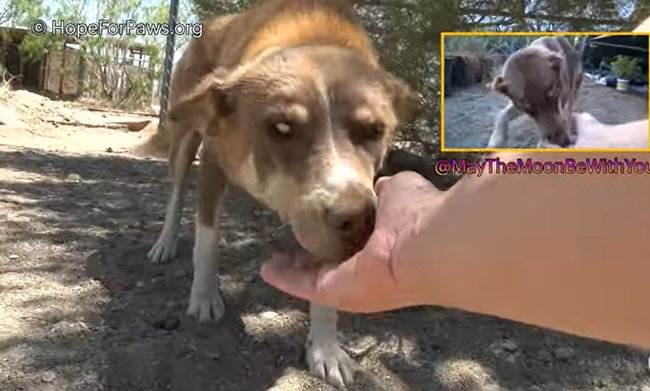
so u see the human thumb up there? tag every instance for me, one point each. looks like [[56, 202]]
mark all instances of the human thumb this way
[[323, 284]]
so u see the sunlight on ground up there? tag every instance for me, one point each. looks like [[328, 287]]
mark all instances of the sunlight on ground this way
[[271, 323], [465, 375]]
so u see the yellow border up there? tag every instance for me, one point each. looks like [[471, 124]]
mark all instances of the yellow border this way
[[512, 34]]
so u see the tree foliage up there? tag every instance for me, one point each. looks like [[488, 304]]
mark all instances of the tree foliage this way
[[110, 72], [406, 34]]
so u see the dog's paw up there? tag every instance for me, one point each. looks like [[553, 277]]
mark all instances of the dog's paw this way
[[162, 251], [206, 304], [330, 363]]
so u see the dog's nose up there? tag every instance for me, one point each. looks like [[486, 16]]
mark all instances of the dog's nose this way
[[561, 139], [352, 220]]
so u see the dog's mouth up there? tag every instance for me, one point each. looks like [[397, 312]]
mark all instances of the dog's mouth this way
[[328, 252]]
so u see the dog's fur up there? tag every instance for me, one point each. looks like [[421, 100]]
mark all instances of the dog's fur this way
[[290, 103], [541, 80]]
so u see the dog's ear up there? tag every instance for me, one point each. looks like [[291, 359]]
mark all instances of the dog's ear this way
[[500, 85], [405, 101], [208, 98]]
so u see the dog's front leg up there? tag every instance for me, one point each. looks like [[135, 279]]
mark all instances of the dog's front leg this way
[[206, 303], [499, 136], [183, 151], [325, 357]]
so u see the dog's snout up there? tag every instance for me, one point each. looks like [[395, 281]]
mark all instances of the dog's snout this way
[[561, 139], [352, 218]]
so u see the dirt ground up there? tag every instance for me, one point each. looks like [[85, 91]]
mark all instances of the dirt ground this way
[[470, 114], [82, 309]]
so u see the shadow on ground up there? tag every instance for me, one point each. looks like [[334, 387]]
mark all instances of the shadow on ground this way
[[86, 311]]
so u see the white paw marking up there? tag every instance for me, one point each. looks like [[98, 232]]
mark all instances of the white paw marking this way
[[163, 251], [206, 304], [330, 363]]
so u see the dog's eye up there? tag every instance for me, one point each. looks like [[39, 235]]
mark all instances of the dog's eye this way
[[282, 127], [375, 130]]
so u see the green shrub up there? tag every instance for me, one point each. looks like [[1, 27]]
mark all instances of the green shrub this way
[[625, 67]]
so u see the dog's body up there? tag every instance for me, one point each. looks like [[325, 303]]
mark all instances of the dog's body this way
[[291, 104], [541, 80]]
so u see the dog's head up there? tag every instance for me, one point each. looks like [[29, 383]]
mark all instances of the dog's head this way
[[537, 82], [304, 130]]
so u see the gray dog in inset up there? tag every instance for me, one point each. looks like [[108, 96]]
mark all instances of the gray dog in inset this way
[[541, 80]]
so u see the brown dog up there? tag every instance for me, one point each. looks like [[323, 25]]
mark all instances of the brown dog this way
[[290, 103], [541, 80]]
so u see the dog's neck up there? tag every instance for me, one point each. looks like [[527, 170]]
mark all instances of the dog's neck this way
[[327, 27]]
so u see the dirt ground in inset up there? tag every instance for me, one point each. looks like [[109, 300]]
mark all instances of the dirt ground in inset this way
[[82, 309], [470, 114]]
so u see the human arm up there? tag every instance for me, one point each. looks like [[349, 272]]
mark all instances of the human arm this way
[[569, 252]]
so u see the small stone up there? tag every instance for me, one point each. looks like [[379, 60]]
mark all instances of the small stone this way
[[139, 284], [545, 356], [496, 349], [48, 376], [361, 346], [109, 150], [14, 257], [169, 323], [563, 354], [270, 315], [511, 359], [178, 273], [509, 346], [249, 278], [216, 355], [73, 178]]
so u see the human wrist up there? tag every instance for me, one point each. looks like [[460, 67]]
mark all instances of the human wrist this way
[[415, 246], [449, 247]]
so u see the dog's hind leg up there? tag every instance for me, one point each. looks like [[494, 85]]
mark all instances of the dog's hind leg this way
[[206, 303], [184, 146], [499, 137], [325, 357]]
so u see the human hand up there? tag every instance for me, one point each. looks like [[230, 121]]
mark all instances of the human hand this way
[[594, 134], [379, 277]]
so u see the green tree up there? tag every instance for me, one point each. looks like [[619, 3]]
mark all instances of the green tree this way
[[110, 73]]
